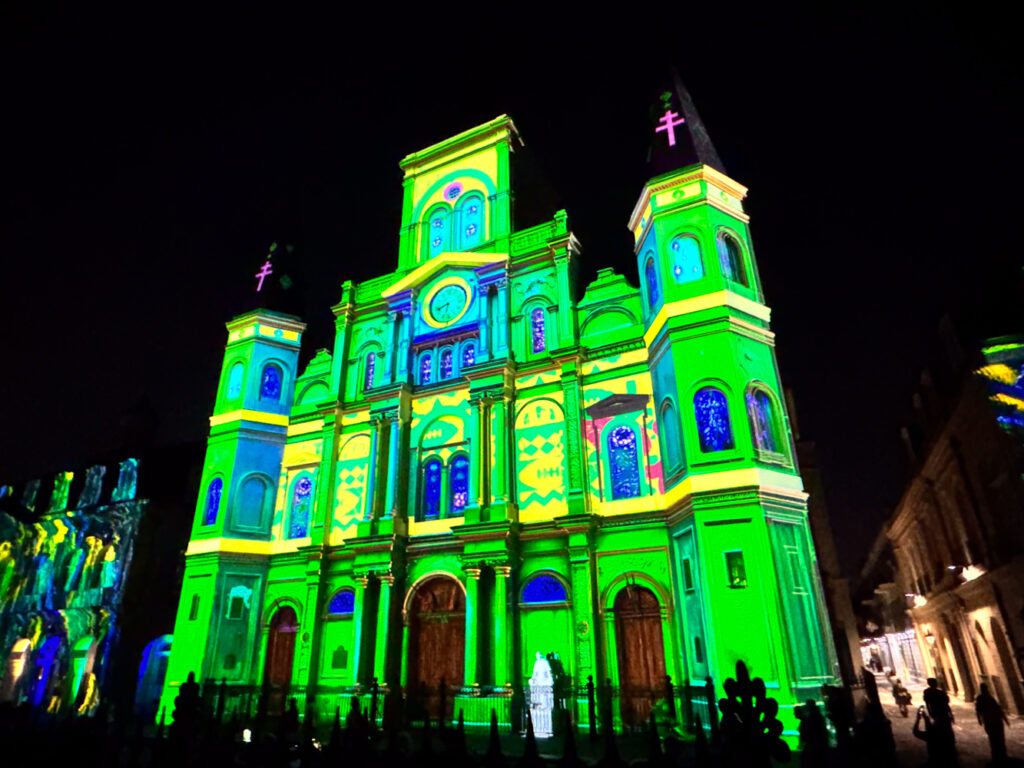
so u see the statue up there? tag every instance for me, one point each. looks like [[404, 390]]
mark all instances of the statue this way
[[90, 495], [542, 697], [126, 481], [61, 486], [28, 499]]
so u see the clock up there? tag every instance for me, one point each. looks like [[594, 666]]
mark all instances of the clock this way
[[448, 304]]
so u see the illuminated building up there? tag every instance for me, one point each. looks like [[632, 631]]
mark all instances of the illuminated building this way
[[492, 463]]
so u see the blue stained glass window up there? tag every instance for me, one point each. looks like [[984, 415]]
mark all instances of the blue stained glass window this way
[[622, 457], [687, 264], [537, 330], [731, 260], [235, 381], [371, 364], [440, 232], [544, 589], [446, 364], [468, 356], [652, 283], [459, 482], [213, 493], [426, 369], [301, 499], [712, 420], [471, 218], [342, 604], [759, 411], [270, 389], [432, 490]]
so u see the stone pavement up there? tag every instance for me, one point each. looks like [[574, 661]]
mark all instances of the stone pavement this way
[[971, 741]]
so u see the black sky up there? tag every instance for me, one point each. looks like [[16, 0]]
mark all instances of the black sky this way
[[149, 161]]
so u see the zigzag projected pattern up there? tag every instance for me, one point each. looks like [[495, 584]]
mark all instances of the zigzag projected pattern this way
[[352, 474], [540, 429]]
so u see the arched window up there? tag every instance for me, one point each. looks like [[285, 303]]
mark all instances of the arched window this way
[[471, 221], [270, 388], [371, 364], [439, 232], [446, 364], [652, 282], [622, 458], [762, 422], [342, 604], [235, 381], [468, 355], [458, 481], [544, 589], [687, 264], [213, 492], [252, 500], [670, 435], [731, 259], [432, 489], [713, 426], [302, 498], [426, 369], [539, 342]]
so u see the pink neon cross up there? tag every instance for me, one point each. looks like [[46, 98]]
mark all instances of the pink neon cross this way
[[669, 125], [264, 271]]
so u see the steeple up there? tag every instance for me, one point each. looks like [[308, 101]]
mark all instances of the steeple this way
[[678, 137]]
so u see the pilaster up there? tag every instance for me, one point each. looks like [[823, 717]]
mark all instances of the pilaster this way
[[472, 596], [500, 632]]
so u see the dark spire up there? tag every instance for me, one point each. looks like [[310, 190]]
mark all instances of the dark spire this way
[[678, 137]]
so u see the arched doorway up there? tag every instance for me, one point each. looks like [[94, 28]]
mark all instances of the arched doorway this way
[[13, 670], [152, 673], [437, 636], [640, 652], [277, 670], [46, 661]]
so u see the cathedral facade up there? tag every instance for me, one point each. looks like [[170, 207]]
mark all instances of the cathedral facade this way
[[493, 463]]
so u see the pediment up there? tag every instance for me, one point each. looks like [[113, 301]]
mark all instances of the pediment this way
[[425, 272]]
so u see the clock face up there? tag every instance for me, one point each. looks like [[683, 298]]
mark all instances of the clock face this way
[[448, 304]]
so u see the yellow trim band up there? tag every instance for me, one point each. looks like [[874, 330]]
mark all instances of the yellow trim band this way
[[276, 419], [707, 301]]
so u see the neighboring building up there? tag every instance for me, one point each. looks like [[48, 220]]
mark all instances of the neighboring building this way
[[958, 532], [487, 466]]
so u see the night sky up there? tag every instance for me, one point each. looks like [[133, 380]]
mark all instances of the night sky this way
[[150, 161]]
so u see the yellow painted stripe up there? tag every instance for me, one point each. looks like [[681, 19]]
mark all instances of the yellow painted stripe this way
[[243, 546], [306, 427], [707, 301], [423, 271], [277, 419]]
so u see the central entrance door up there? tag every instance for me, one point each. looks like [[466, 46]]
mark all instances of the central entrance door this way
[[641, 653], [437, 639], [277, 671]]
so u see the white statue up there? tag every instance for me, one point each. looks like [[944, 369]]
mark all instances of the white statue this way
[[542, 697]]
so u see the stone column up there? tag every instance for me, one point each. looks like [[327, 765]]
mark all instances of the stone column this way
[[380, 465], [565, 313], [502, 458], [472, 593], [500, 632], [359, 616], [393, 426], [578, 498], [387, 581]]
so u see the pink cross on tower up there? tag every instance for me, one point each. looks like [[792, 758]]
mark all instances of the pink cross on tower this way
[[264, 271], [669, 125]]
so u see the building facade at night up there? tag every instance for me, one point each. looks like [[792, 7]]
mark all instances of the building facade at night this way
[[492, 463]]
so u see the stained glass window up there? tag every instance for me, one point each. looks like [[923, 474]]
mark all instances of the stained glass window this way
[[687, 264], [459, 481], [439, 232], [371, 364], [342, 604], [235, 381], [426, 369], [622, 458], [544, 589], [759, 411], [468, 355], [301, 500], [712, 420], [472, 221], [537, 330], [670, 435], [652, 282], [432, 490], [270, 389], [213, 493], [731, 259], [446, 364]]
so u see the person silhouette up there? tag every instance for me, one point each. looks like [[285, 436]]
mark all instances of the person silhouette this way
[[991, 716]]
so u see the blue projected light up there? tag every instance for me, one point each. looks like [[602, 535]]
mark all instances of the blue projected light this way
[[270, 389], [537, 330], [544, 589], [432, 490], [713, 426], [342, 604], [460, 485], [299, 527], [213, 501], [622, 457]]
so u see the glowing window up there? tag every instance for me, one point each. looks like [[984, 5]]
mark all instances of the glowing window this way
[[544, 589], [622, 457], [537, 330], [735, 570], [687, 264], [446, 364], [471, 221], [235, 381], [439, 232], [652, 282], [731, 259], [426, 369], [270, 389], [468, 356], [371, 364], [213, 492], [459, 482], [342, 604], [301, 500], [759, 411], [713, 426], [432, 490], [670, 434]]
